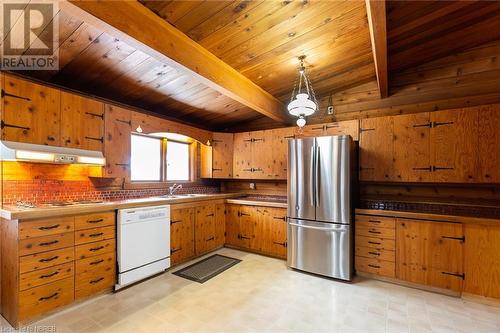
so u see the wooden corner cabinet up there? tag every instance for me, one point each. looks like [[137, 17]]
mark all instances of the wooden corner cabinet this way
[[49, 263], [450, 254]]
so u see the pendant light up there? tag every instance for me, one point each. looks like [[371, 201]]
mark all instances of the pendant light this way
[[303, 101]]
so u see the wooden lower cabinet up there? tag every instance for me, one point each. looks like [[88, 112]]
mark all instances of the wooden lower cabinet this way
[[256, 228], [48, 263], [430, 253], [181, 234], [205, 229], [482, 260]]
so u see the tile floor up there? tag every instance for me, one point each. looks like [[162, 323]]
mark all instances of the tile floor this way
[[261, 295]]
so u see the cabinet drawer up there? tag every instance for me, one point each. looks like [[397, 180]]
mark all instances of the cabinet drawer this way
[[368, 252], [93, 249], [46, 275], [375, 266], [45, 227], [104, 261], [42, 299], [93, 282], [375, 221], [376, 232], [376, 243], [46, 243], [90, 221], [94, 235], [46, 259]]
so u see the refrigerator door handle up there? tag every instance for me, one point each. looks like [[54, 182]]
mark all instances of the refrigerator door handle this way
[[317, 177], [312, 170], [317, 228]]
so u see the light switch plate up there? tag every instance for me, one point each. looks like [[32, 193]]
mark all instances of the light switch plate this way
[[252, 186]]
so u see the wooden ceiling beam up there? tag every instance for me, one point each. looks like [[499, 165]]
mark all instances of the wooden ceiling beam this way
[[138, 26], [378, 33]]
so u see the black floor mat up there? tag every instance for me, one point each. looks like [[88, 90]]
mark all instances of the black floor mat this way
[[207, 268]]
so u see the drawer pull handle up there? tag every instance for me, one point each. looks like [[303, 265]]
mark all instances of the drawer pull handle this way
[[49, 227], [462, 276], [95, 221], [49, 243], [175, 250], [97, 234], [375, 243], [97, 262], [374, 253], [374, 232], [284, 244], [174, 222], [374, 221], [280, 218], [210, 215], [96, 248], [243, 237], [48, 297], [49, 275], [211, 238], [462, 239], [373, 266], [97, 280], [49, 259]]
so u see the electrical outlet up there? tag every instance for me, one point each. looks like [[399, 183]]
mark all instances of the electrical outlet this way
[[252, 186], [330, 109]]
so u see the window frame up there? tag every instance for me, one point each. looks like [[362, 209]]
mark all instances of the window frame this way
[[144, 184]]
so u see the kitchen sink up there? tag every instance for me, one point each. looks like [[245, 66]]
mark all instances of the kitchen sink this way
[[180, 196]]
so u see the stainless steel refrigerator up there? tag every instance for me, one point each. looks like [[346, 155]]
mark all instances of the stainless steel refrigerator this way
[[321, 179]]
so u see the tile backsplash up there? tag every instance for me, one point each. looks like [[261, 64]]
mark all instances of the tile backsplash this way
[[39, 191]]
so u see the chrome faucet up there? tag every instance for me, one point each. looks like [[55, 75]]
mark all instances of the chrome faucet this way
[[172, 189]]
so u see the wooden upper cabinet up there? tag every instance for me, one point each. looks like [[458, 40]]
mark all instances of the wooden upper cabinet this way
[[412, 161], [117, 141], [430, 253], [206, 161], [310, 130], [280, 151], [82, 122], [454, 145], [242, 158], [222, 155], [262, 155], [376, 149], [31, 112], [489, 144], [348, 127]]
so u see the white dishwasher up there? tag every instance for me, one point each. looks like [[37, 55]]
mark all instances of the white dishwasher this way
[[143, 241]]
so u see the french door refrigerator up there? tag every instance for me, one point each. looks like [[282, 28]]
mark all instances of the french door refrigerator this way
[[320, 175]]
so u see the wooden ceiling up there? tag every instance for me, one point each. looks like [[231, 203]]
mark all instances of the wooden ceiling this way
[[262, 39]]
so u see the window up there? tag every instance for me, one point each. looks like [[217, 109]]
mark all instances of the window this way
[[177, 161], [156, 159], [145, 158]]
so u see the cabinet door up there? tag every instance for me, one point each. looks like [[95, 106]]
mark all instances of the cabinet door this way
[[205, 229], [277, 229], [482, 260], [454, 144], [233, 225], [311, 130], [220, 225], [181, 235], [248, 219], [262, 155], [82, 122], [222, 155], [489, 144], [117, 141], [376, 149], [31, 112], [412, 161], [348, 127], [242, 159], [430, 253], [280, 151], [206, 161]]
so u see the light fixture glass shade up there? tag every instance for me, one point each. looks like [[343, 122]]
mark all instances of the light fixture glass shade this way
[[301, 122], [302, 106]]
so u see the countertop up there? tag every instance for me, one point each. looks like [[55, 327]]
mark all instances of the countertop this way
[[15, 213], [257, 202]]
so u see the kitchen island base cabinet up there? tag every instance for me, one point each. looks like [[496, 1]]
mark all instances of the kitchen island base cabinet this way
[[48, 263]]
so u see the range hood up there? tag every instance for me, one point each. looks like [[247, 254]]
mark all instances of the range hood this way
[[27, 152]]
